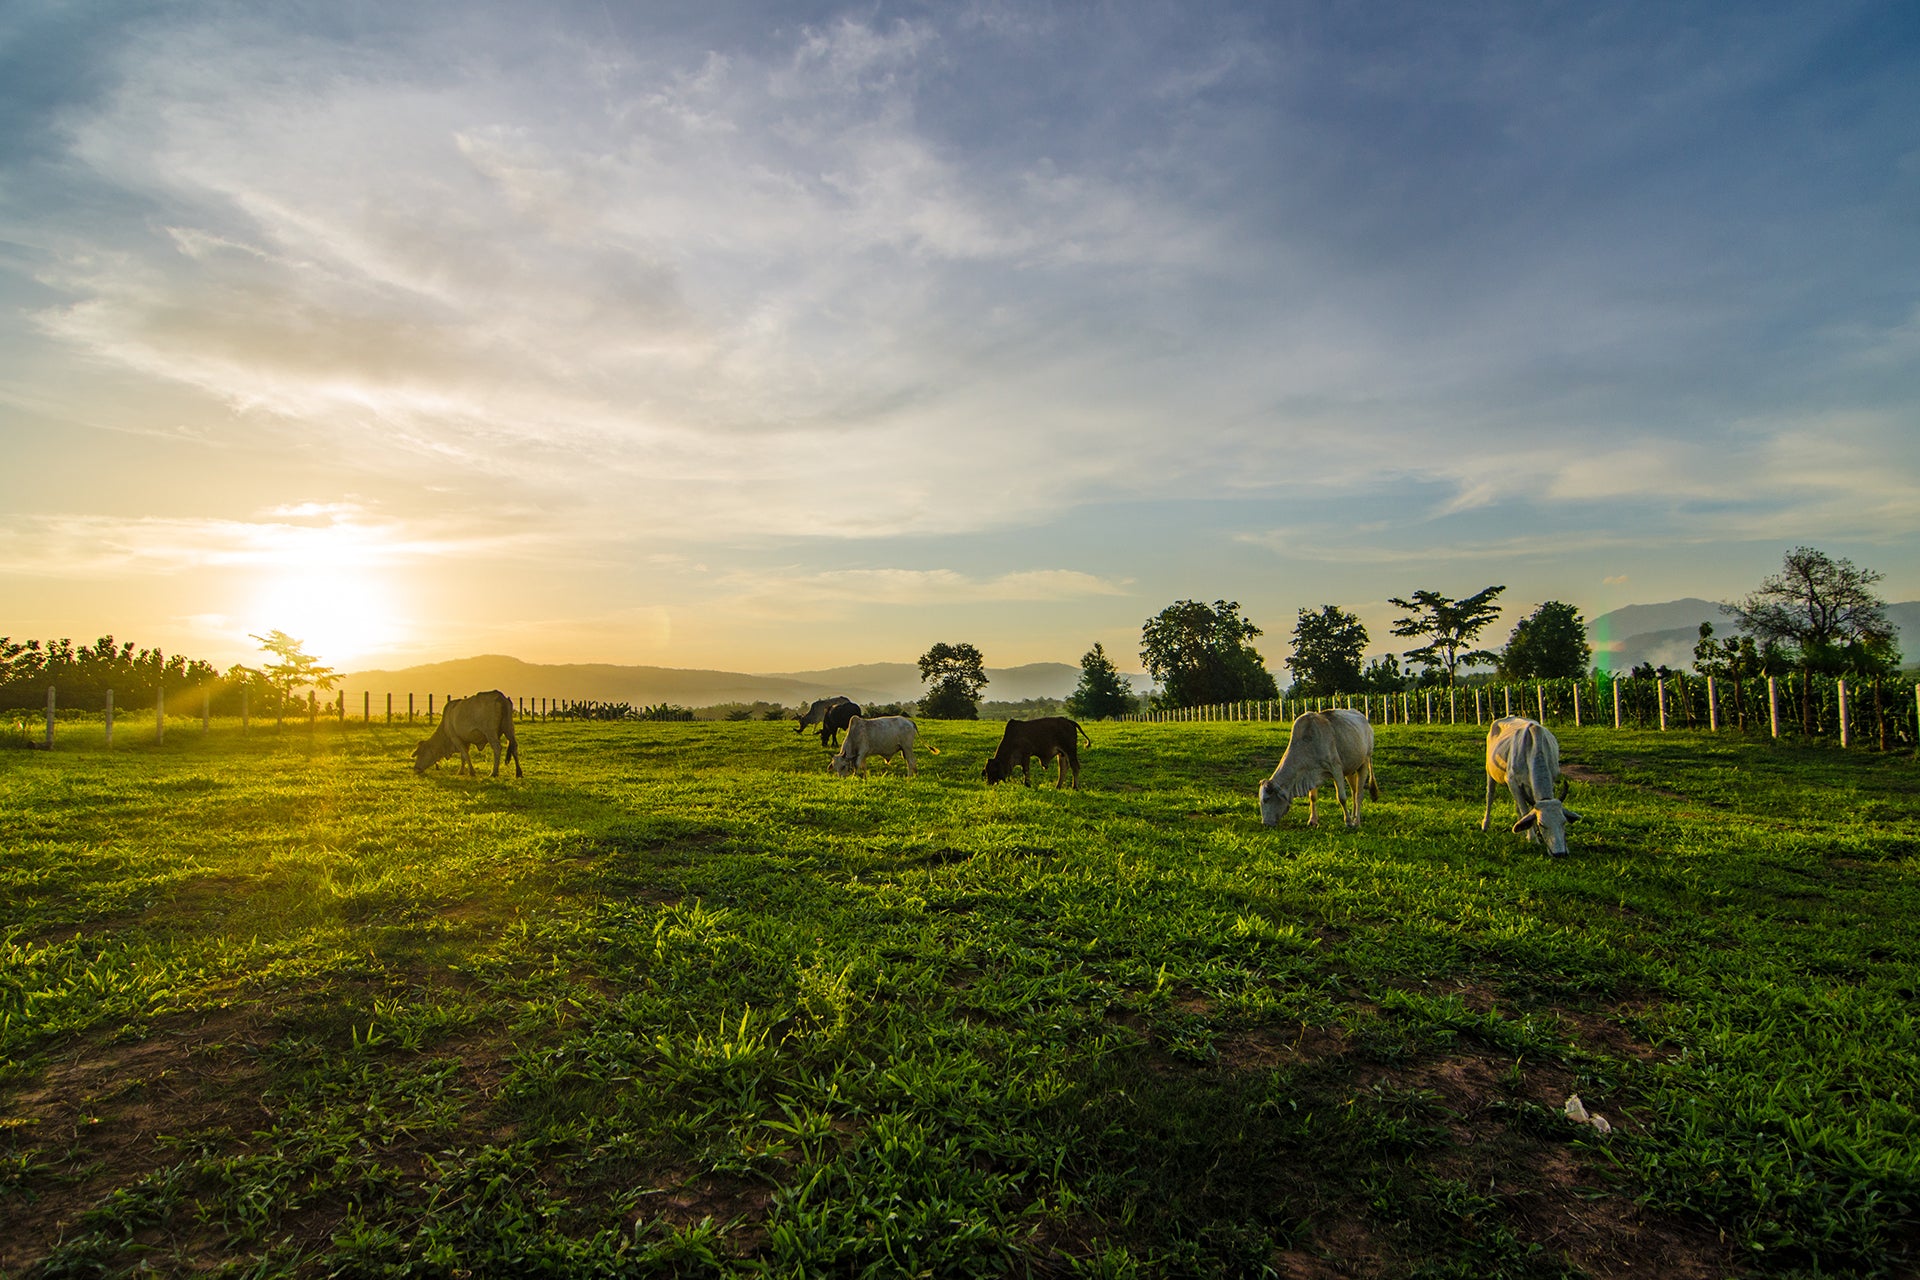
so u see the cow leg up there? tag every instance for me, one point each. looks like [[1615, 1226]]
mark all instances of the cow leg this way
[[1340, 798], [513, 752], [493, 741], [907, 751], [466, 759], [1073, 758], [1353, 785], [1026, 769], [1060, 772], [1313, 816], [1486, 815]]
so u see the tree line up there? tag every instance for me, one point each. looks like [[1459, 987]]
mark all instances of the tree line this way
[[80, 675]]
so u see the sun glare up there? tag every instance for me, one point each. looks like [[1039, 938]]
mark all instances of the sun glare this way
[[339, 618]]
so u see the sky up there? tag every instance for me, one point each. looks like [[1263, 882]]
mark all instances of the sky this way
[[775, 337]]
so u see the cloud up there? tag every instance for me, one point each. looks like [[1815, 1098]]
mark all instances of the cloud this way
[[345, 538], [920, 587], [1615, 580]]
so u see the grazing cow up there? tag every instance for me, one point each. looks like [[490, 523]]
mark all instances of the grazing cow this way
[[1526, 756], [466, 723], [1324, 746], [1050, 738], [831, 714], [882, 736]]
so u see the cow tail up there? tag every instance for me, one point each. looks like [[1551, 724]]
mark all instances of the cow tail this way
[[1083, 733]]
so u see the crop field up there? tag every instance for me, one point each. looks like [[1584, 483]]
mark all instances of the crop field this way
[[680, 1003]]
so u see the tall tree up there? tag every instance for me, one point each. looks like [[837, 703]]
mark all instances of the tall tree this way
[[954, 675], [1102, 690], [1327, 649], [1453, 624], [1827, 610], [1383, 675], [1549, 644], [1199, 654], [296, 668]]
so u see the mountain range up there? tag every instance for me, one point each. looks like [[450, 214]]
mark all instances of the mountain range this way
[[1622, 639], [871, 682]]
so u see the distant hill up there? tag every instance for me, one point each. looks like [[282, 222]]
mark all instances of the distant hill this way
[[643, 686], [1664, 634]]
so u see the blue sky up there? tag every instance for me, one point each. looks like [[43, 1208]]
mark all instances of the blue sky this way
[[776, 337]]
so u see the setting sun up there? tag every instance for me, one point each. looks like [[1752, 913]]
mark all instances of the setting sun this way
[[339, 617]]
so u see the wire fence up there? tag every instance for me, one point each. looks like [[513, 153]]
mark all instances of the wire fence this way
[[1881, 712]]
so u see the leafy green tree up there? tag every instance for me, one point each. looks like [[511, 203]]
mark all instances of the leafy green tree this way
[[1383, 675], [1453, 626], [1102, 690], [1827, 611], [1327, 648], [296, 668], [1550, 644], [1199, 654], [954, 674]]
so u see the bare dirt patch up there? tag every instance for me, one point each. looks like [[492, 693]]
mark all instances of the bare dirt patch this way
[[106, 1114], [1585, 773]]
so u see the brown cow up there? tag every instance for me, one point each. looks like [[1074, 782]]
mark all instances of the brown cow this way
[[466, 723], [1049, 738]]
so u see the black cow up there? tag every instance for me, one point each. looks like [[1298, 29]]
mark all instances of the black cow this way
[[1049, 738], [818, 711]]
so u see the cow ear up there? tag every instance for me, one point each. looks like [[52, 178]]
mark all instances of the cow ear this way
[[1533, 816], [1571, 815], [1566, 788]]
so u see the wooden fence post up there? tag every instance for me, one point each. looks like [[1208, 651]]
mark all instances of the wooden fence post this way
[[1843, 712], [1616, 702], [1773, 705], [1576, 704], [49, 717], [1476, 707], [389, 708], [1507, 689], [366, 705], [1660, 695], [1453, 706], [109, 719], [1540, 698], [1713, 709], [409, 708], [429, 707], [160, 715]]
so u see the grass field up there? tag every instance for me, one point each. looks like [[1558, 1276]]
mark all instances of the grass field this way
[[679, 1003]]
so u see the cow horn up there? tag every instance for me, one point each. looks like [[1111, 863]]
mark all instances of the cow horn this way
[[1566, 788]]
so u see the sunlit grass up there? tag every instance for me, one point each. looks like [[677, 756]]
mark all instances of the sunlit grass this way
[[681, 1001]]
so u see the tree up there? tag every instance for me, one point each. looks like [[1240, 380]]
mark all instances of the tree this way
[[1453, 624], [1550, 644], [1102, 690], [1199, 654], [1327, 648], [296, 669], [1827, 610], [956, 673], [1383, 675]]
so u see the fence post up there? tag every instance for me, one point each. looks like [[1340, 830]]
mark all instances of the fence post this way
[[313, 710], [1540, 698], [1507, 690], [1616, 702], [109, 719], [1453, 705], [409, 708], [389, 708], [1660, 695], [1476, 707], [1713, 708], [429, 706], [340, 709], [366, 705], [1773, 705], [49, 717], [1576, 704], [1843, 712], [160, 715]]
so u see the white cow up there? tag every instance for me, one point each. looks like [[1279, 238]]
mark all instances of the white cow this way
[[882, 736], [1325, 746], [1526, 756]]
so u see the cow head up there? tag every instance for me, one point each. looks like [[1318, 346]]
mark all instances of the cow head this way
[[429, 752], [1274, 803], [1550, 818], [997, 770], [840, 766]]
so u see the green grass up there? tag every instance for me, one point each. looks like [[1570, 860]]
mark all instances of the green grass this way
[[680, 1003]]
